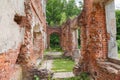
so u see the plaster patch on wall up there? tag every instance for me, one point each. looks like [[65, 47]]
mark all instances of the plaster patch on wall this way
[[111, 29], [11, 34]]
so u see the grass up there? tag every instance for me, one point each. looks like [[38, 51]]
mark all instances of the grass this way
[[53, 50], [63, 65], [119, 55], [82, 76], [36, 77]]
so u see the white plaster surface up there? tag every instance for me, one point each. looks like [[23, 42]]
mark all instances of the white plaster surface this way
[[10, 33], [111, 29]]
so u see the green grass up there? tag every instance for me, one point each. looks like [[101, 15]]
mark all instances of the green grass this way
[[63, 65], [36, 77], [53, 50], [83, 76], [119, 55]]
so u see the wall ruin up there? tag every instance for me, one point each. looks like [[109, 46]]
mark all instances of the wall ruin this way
[[68, 36], [95, 40], [23, 38], [111, 29], [52, 30], [20, 42]]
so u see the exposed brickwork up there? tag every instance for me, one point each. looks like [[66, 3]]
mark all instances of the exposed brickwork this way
[[31, 22], [66, 39], [7, 63], [51, 30], [30, 50], [67, 34], [69, 37], [94, 42], [33, 45]]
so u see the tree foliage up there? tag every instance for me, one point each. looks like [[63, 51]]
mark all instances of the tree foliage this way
[[58, 11], [118, 23], [54, 41], [118, 28]]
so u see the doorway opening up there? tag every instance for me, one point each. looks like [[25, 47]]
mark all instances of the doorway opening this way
[[79, 41], [118, 30], [55, 42]]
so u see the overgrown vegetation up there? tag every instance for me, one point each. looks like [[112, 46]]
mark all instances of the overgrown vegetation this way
[[53, 49], [118, 23], [54, 42], [118, 29], [63, 65], [118, 42], [82, 76], [36, 77], [58, 11], [79, 41]]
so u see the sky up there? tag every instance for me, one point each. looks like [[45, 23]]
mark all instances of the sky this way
[[117, 3]]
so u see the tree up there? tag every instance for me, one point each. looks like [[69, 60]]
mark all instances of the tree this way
[[118, 23], [54, 41], [58, 11], [118, 28]]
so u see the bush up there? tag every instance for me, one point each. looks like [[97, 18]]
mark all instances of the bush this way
[[118, 43]]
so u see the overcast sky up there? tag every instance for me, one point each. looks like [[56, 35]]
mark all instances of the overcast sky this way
[[117, 3]]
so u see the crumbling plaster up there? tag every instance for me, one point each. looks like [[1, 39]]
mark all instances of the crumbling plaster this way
[[11, 34], [22, 43]]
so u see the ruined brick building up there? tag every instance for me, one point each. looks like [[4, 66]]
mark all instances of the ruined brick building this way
[[24, 35]]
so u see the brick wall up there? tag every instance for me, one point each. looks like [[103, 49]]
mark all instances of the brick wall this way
[[94, 42], [22, 37]]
